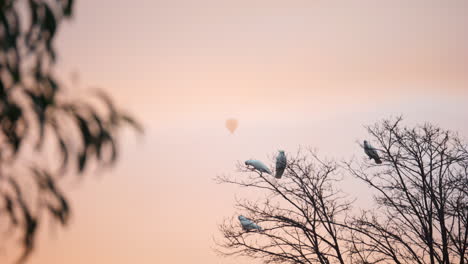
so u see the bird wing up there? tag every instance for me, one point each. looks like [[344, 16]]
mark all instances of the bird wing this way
[[280, 165], [258, 165], [372, 153], [248, 224], [367, 151]]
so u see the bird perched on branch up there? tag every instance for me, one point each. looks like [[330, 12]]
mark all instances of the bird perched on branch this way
[[281, 163], [248, 224], [371, 152], [258, 165]]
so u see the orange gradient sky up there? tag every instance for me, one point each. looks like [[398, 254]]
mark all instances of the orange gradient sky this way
[[295, 73]]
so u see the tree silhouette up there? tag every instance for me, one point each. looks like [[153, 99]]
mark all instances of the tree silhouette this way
[[37, 120], [420, 192]]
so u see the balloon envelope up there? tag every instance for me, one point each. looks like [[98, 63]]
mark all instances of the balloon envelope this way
[[231, 124], [75, 77]]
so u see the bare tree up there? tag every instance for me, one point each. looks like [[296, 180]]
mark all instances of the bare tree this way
[[302, 215], [421, 205], [421, 189]]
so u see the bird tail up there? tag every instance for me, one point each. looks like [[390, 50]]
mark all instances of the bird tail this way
[[279, 173]]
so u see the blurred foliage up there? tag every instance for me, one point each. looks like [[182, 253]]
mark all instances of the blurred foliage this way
[[34, 112]]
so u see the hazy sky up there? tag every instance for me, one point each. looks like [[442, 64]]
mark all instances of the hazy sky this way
[[295, 73]]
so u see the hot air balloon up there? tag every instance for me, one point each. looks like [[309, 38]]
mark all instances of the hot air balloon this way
[[231, 124], [75, 77]]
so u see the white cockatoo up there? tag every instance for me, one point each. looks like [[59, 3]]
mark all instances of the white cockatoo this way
[[248, 224], [281, 163], [258, 165], [371, 152]]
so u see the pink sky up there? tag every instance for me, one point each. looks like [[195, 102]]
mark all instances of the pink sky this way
[[295, 73]]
